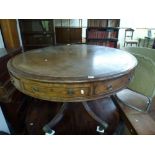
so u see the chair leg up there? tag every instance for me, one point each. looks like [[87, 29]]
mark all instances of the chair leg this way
[[148, 104]]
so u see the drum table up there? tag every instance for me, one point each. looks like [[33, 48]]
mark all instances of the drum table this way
[[70, 74]]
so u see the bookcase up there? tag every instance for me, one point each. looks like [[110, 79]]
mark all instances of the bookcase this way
[[103, 32]]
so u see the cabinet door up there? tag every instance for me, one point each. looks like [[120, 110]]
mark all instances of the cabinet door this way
[[62, 35], [36, 33], [75, 35]]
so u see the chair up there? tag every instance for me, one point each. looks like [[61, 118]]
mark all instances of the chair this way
[[146, 42], [141, 90], [128, 39]]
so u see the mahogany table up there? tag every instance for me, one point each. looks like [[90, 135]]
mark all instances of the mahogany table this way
[[74, 73]]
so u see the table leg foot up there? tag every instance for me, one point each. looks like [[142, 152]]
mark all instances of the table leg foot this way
[[57, 118], [103, 125]]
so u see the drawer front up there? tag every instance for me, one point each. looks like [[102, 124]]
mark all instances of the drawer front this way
[[70, 92], [111, 85], [49, 91]]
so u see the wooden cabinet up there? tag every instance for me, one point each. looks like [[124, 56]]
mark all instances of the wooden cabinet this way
[[36, 33], [62, 35], [103, 32], [76, 35], [69, 35]]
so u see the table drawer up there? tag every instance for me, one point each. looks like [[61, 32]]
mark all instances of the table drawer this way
[[71, 92], [111, 85], [53, 91]]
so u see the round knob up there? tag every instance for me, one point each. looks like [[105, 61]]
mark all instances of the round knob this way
[[70, 91], [109, 87], [35, 89]]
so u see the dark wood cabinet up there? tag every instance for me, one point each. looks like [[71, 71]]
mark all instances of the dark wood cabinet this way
[[76, 35], [36, 33], [62, 35], [69, 35]]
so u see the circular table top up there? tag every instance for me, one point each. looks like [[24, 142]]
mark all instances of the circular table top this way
[[72, 63]]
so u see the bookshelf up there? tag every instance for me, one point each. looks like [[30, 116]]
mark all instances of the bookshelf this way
[[103, 32]]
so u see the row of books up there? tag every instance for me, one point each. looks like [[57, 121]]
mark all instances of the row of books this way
[[103, 22], [107, 43], [101, 34], [97, 22]]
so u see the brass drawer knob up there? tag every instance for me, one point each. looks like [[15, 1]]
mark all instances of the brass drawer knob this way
[[34, 89], [70, 91], [109, 87]]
